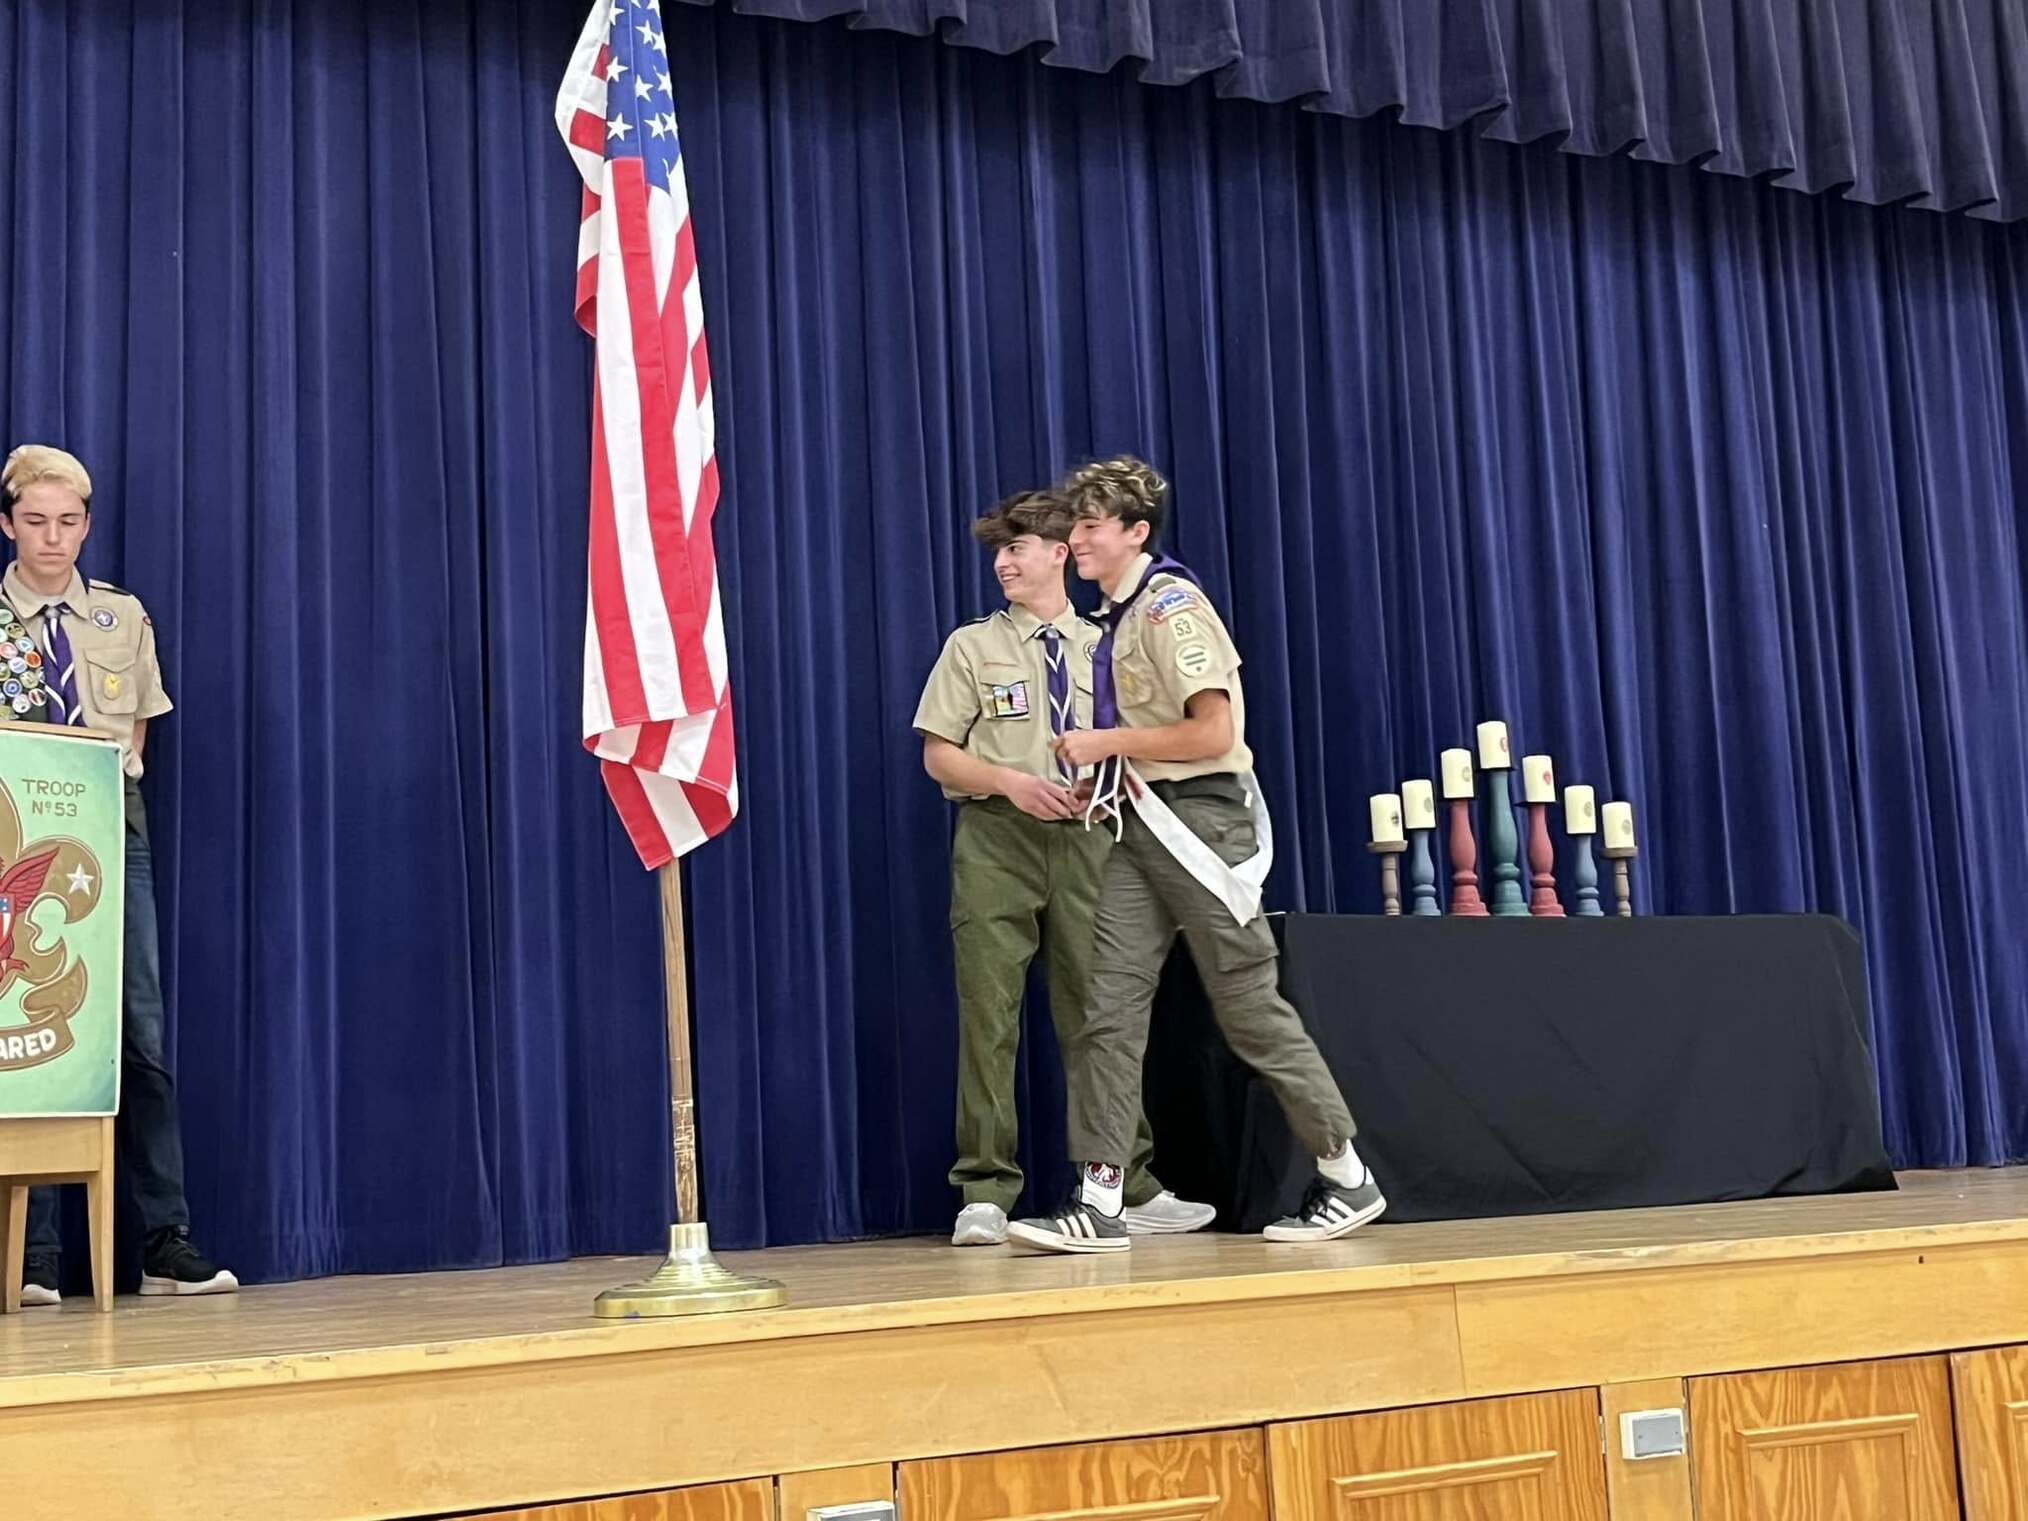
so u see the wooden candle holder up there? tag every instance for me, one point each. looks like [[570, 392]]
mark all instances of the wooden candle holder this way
[[1543, 902], [1504, 844], [1622, 857], [1422, 876], [1586, 871], [1390, 875], [1465, 900]]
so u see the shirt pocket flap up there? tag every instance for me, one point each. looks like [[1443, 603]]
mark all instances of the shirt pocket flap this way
[[114, 689]]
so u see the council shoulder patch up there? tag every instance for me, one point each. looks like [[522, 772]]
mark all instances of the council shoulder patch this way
[[1169, 600]]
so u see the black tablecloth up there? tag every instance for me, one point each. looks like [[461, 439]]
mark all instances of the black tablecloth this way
[[1518, 1066]]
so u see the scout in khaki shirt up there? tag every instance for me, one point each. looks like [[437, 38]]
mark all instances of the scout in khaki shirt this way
[[94, 649], [1168, 704], [1024, 869]]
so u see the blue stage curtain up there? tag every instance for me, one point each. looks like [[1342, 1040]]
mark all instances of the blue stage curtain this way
[[1706, 487], [296, 282], [1891, 101]]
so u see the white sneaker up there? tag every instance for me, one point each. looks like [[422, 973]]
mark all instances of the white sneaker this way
[[980, 1225], [38, 1281], [1167, 1215]]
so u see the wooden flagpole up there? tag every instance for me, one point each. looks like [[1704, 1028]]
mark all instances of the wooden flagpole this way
[[690, 1280], [682, 1089]]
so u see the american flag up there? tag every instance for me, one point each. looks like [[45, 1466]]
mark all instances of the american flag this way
[[657, 711]]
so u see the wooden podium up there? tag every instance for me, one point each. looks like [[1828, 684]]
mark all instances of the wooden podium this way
[[62, 905]]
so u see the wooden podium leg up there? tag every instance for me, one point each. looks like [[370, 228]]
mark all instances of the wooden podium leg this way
[[99, 1204], [13, 1244]]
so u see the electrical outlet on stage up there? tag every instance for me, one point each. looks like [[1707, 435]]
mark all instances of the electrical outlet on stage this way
[[860, 1510], [1651, 1434]]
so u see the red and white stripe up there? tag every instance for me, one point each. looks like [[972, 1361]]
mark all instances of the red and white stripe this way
[[657, 709]]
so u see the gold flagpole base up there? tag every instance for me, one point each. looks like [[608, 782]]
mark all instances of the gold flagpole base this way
[[689, 1282]]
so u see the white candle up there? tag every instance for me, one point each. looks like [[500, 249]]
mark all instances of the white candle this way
[[1418, 804], [1457, 773], [1580, 811], [1493, 752], [1538, 779], [1619, 825], [1386, 808]]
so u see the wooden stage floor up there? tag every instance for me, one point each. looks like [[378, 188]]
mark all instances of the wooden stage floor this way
[[458, 1390]]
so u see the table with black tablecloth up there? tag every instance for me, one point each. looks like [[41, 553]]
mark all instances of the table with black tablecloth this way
[[1519, 1066]]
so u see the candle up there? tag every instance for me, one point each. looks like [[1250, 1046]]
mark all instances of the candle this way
[[1580, 811], [1457, 766], [1619, 825], [1493, 752], [1386, 809], [1538, 779], [1418, 804]]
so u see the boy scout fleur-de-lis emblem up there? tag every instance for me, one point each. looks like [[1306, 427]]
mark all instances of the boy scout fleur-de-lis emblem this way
[[64, 870]]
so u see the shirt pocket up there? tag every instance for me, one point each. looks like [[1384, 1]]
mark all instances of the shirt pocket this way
[[115, 689], [1008, 693]]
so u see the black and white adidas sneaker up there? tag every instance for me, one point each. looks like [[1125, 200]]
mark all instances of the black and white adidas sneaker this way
[[1077, 1227], [1329, 1212]]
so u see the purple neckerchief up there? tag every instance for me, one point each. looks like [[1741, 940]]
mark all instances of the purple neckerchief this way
[[1105, 696]]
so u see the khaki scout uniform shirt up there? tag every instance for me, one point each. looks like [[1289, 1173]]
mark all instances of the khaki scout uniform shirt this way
[[1171, 646], [988, 693], [112, 642]]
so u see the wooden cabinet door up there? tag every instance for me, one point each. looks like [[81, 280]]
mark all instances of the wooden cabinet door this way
[[1216, 1476], [1853, 1442], [747, 1500], [1992, 1404], [1531, 1458]]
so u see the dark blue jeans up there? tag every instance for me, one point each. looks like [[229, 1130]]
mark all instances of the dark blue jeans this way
[[148, 1132]]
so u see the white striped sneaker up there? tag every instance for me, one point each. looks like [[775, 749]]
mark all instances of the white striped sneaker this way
[[1329, 1212], [1077, 1227]]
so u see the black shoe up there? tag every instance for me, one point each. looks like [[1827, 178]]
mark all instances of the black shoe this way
[[1329, 1212], [38, 1281], [1077, 1227], [171, 1265]]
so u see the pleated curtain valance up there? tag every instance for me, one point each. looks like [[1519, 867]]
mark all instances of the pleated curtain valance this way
[[1920, 102]]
